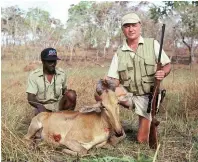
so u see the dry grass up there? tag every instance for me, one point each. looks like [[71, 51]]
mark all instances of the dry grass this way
[[178, 134]]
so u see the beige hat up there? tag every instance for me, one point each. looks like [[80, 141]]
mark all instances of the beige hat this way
[[130, 18]]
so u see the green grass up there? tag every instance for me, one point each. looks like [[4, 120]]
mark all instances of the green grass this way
[[178, 132]]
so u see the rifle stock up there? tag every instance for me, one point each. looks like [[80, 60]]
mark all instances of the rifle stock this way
[[153, 128]]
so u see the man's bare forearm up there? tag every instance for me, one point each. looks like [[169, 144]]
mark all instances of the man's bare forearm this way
[[32, 100], [166, 68]]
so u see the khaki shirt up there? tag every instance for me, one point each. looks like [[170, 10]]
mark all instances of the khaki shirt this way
[[113, 70], [45, 92]]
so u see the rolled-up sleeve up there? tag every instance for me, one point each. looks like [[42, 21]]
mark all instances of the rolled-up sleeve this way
[[113, 70], [164, 58]]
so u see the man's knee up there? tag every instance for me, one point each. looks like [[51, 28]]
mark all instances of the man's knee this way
[[68, 102], [125, 104], [143, 130], [71, 95], [142, 138]]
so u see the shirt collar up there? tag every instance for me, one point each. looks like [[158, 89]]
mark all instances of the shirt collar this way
[[125, 46], [40, 72]]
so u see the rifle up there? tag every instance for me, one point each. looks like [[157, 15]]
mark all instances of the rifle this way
[[153, 128]]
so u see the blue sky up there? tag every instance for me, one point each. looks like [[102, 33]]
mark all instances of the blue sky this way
[[57, 8]]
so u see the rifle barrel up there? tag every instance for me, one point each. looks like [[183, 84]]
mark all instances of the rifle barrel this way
[[161, 43]]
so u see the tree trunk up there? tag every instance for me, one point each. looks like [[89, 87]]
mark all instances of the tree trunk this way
[[104, 52], [189, 48]]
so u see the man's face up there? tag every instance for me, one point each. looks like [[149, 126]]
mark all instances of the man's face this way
[[131, 31], [49, 66]]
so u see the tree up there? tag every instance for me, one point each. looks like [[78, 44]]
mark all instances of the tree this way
[[39, 24], [13, 25], [98, 22], [186, 13]]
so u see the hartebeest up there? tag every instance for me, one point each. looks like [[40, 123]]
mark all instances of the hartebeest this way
[[78, 131]]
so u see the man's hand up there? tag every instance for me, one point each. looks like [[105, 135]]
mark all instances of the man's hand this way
[[160, 75], [114, 80], [41, 108]]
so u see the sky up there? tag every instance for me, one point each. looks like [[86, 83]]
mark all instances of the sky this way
[[57, 8]]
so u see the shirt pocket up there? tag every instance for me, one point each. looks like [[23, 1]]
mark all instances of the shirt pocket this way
[[123, 72], [130, 70], [147, 82], [148, 68], [41, 92]]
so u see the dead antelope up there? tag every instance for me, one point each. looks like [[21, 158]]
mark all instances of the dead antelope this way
[[78, 131]]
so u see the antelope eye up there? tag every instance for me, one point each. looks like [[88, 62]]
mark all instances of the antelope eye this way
[[105, 108]]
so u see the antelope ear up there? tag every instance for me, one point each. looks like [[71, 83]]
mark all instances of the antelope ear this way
[[99, 87], [93, 108]]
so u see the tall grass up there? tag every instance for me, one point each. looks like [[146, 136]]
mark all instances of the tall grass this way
[[178, 131]]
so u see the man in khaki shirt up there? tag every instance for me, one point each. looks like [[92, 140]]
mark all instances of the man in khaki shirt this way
[[46, 90], [128, 70]]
